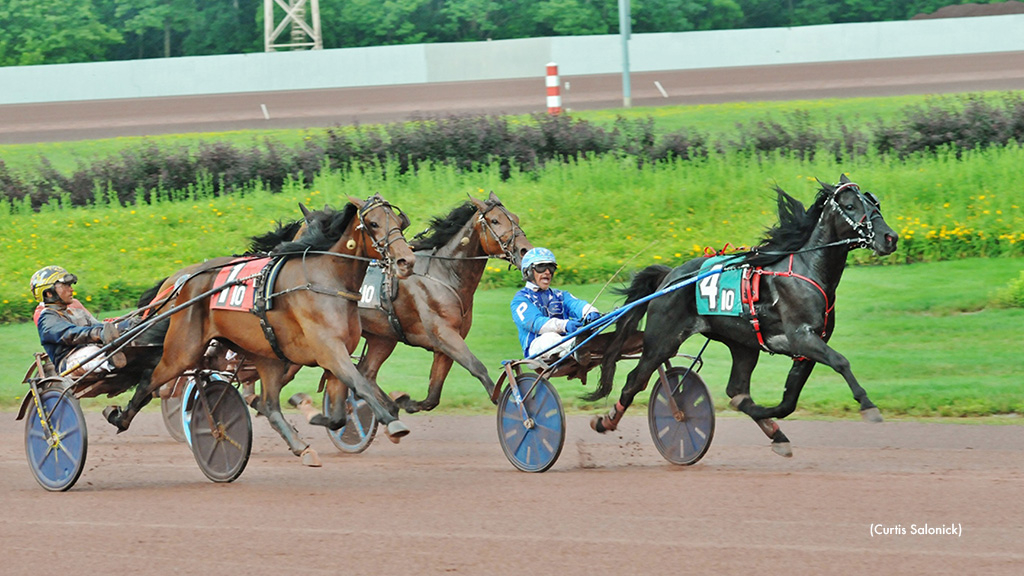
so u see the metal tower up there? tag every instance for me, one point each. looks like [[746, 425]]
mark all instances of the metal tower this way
[[304, 35]]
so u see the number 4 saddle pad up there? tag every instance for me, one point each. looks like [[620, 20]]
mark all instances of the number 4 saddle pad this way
[[725, 293]]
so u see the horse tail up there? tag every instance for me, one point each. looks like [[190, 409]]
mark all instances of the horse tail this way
[[644, 283], [155, 333]]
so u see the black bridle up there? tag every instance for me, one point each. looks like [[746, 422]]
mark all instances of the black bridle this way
[[864, 228], [507, 244], [383, 245]]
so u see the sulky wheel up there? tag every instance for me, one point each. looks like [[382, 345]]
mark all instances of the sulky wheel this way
[[682, 424], [360, 424], [170, 409], [531, 433], [221, 430], [56, 441]]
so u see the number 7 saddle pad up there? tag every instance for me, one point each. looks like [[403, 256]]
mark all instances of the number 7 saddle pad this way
[[239, 297]]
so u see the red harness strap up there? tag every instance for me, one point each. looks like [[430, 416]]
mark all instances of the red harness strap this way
[[750, 292]]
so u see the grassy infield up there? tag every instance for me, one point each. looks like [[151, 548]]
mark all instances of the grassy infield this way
[[923, 339]]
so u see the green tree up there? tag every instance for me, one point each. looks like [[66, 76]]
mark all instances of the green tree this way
[[376, 23], [225, 27], [164, 17], [576, 17], [36, 32]]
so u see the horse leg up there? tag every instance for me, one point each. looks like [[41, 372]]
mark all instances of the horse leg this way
[[347, 373], [274, 375], [795, 381], [868, 411], [122, 418], [744, 360], [378, 350], [453, 347], [439, 370], [188, 347], [814, 348], [667, 328]]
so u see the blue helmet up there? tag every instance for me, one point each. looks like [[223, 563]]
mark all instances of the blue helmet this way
[[536, 256]]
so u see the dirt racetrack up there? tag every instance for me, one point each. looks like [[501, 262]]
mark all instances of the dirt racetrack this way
[[58, 121], [446, 501]]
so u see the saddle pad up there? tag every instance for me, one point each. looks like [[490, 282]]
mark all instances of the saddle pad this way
[[719, 294], [239, 297], [370, 292]]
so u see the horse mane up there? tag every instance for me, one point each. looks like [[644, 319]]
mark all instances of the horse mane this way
[[791, 233], [282, 232], [147, 297], [323, 229], [443, 228]]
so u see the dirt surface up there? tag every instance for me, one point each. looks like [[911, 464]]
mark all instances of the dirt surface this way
[[447, 501], [25, 123], [971, 9]]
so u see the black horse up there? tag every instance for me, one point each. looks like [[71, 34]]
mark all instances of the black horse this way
[[785, 303]]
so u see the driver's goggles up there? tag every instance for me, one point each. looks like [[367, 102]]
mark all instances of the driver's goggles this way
[[545, 268], [68, 279]]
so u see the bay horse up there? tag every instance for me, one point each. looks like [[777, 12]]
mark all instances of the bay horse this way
[[794, 274], [310, 319], [433, 308]]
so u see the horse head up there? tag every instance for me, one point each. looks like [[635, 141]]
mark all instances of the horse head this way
[[499, 230], [860, 217], [383, 224]]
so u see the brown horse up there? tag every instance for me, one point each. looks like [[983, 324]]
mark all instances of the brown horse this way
[[433, 309], [309, 319]]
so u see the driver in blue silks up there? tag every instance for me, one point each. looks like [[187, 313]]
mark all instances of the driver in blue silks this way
[[544, 315]]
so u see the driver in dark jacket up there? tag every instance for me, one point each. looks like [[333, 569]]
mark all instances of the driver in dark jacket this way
[[69, 333]]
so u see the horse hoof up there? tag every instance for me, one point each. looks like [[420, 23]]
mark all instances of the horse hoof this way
[[113, 416], [310, 458], [597, 425], [871, 415], [319, 420], [782, 449], [251, 401], [735, 401], [395, 431], [299, 398]]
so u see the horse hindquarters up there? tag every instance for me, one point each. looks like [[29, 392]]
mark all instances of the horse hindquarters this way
[[670, 321]]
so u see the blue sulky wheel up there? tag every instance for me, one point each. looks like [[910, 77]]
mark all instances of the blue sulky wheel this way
[[360, 424], [56, 442], [531, 434], [682, 423], [221, 430]]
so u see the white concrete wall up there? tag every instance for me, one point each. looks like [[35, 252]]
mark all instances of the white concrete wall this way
[[581, 55]]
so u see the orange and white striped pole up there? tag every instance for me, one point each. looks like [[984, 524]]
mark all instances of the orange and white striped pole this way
[[554, 90]]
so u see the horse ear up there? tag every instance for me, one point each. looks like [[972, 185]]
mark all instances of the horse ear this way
[[480, 204], [843, 179], [305, 211], [358, 203], [493, 197]]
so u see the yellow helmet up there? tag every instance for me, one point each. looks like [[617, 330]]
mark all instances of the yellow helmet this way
[[45, 278]]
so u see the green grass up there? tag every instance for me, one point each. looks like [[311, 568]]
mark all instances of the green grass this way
[[918, 337], [599, 215]]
